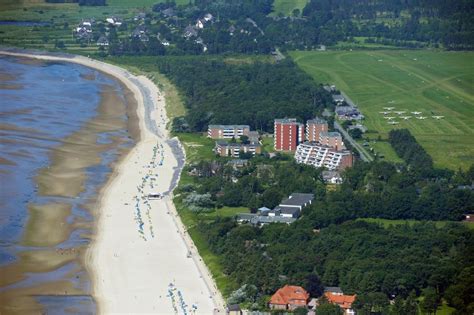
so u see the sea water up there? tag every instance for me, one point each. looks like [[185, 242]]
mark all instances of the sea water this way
[[41, 103]]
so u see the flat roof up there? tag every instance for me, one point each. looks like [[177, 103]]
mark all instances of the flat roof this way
[[228, 126], [330, 134], [317, 120], [286, 120]]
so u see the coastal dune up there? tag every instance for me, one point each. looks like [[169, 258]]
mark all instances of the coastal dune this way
[[142, 259]]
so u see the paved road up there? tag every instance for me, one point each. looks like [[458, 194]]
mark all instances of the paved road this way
[[364, 155]]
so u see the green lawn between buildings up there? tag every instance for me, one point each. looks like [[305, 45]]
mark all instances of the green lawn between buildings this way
[[434, 83]]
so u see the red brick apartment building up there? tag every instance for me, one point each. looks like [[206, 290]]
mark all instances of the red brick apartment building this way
[[314, 127], [332, 139], [288, 134]]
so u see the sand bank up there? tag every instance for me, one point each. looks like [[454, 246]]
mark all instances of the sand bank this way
[[142, 260]]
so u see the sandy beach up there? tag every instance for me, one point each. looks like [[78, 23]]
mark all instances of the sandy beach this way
[[142, 259]]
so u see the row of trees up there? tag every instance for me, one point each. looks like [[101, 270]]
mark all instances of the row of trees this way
[[407, 148], [445, 22]]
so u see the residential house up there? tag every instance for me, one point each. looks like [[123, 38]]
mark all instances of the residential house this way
[[114, 21], [208, 17], [338, 99], [348, 113], [344, 301], [333, 290], [102, 41], [290, 297], [190, 31], [332, 177]]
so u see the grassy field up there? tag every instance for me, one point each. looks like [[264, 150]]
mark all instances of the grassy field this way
[[286, 7], [62, 18], [434, 83], [387, 223]]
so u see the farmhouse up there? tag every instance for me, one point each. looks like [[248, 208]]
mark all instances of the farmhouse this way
[[290, 297]]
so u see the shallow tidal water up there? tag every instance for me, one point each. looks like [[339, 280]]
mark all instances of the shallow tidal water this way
[[62, 129]]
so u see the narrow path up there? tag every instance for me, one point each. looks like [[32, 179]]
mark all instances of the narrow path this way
[[364, 155]]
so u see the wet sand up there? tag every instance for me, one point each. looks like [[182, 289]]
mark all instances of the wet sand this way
[[47, 226]]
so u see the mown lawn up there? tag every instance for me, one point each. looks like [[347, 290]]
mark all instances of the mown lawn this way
[[286, 7], [434, 83]]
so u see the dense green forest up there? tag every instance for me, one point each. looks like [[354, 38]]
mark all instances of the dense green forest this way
[[254, 93], [376, 263], [326, 244]]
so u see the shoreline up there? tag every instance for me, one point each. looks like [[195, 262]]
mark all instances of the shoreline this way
[[114, 234]]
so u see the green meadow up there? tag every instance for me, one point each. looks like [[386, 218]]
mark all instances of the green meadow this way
[[286, 7], [62, 18], [434, 83]]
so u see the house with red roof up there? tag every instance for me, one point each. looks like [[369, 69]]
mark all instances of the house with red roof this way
[[344, 301], [290, 297]]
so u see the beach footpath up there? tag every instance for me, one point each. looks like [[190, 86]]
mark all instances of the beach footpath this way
[[142, 260]]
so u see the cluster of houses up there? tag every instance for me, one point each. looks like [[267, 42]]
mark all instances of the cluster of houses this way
[[288, 211], [290, 297], [84, 30], [345, 109], [227, 135], [313, 145]]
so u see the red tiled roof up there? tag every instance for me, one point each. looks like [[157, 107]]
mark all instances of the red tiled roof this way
[[290, 294], [344, 301]]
